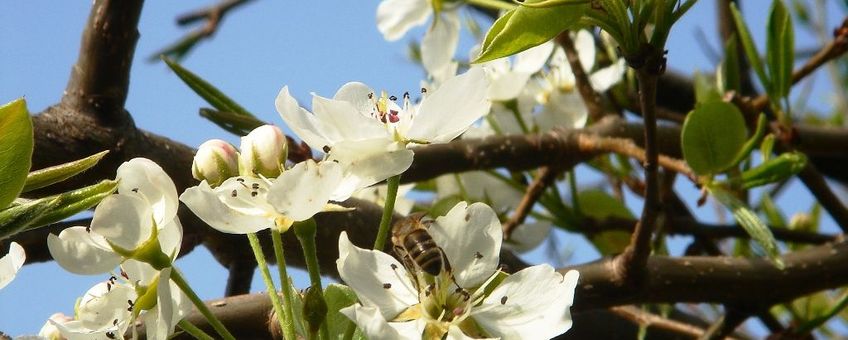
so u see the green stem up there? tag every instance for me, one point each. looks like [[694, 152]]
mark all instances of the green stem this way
[[192, 330], [277, 239], [351, 329], [178, 279], [286, 324], [388, 209], [493, 4], [305, 232]]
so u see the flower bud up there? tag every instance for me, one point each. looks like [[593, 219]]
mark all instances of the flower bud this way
[[215, 161], [263, 151]]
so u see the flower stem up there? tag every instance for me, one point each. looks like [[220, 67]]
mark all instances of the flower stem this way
[[305, 232], [286, 324], [493, 4], [388, 209], [178, 279], [277, 238], [192, 330]]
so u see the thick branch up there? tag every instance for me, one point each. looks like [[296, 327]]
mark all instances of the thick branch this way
[[725, 280], [100, 79]]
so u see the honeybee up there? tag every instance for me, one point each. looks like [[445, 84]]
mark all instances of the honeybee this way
[[416, 247]]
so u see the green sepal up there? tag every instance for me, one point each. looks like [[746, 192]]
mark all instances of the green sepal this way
[[58, 173], [774, 170], [314, 308], [44, 211]]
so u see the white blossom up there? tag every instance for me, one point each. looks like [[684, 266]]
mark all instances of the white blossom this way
[[396, 302], [11, 263]]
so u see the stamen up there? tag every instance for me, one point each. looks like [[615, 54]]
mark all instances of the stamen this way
[[387, 285]]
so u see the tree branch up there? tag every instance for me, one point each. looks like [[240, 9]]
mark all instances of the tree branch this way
[[544, 178]]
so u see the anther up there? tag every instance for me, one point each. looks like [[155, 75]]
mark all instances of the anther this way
[[503, 300], [387, 285], [234, 193]]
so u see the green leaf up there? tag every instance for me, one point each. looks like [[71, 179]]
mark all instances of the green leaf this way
[[604, 206], [780, 49], [712, 136], [705, 91], [774, 170], [773, 214], [237, 124], [15, 149], [442, 206], [525, 27], [749, 221], [338, 297], [53, 209], [55, 174], [762, 124], [749, 47], [730, 73], [766, 147], [205, 90]]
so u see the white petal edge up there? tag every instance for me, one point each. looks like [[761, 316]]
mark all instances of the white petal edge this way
[[367, 272], [303, 190], [77, 251], [375, 327], [368, 162], [452, 108], [147, 178], [531, 304], [203, 201], [471, 237], [125, 220], [11, 263], [440, 41], [304, 124], [396, 17]]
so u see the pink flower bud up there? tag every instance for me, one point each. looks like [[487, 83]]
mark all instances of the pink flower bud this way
[[263, 151], [215, 161]]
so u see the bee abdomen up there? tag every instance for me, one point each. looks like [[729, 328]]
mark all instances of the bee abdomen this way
[[424, 252]]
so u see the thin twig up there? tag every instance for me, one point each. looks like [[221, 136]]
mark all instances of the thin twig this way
[[628, 148], [543, 179], [817, 185], [591, 98], [649, 320]]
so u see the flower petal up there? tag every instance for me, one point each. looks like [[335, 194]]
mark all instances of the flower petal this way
[[565, 110], [452, 108], [375, 327], [377, 278], [206, 204], [303, 190], [304, 124], [11, 263], [584, 43], [471, 238], [138, 272], [395, 17], [531, 304], [357, 94], [344, 122], [145, 177], [439, 43], [508, 85], [368, 162], [81, 252], [528, 236], [532, 60], [124, 220], [170, 238], [608, 76], [103, 304]]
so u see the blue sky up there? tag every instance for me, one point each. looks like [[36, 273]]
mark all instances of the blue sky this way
[[311, 46]]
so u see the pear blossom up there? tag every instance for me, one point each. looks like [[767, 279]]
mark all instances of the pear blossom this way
[[109, 308], [11, 263], [561, 103], [507, 79], [246, 204], [396, 17], [475, 300], [215, 161], [368, 134], [139, 221]]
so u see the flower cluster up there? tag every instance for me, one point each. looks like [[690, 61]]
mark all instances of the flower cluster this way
[[473, 300]]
